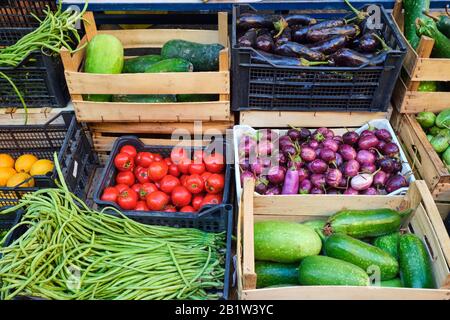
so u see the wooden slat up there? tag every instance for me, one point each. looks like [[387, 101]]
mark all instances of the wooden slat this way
[[16, 116], [432, 70], [443, 208], [441, 192], [223, 29], [277, 119], [248, 268], [144, 112], [425, 101], [89, 25], [423, 51], [149, 83]]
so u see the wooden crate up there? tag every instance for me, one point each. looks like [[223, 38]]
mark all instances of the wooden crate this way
[[417, 67], [425, 162], [444, 208], [16, 116], [81, 83], [425, 222]]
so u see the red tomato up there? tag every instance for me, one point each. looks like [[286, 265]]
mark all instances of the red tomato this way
[[130, 150], [124, 162], [141, 174], [187, 209], [110, 194], [183, 165], [214, 163], [205, 176], [183, 179], [168, 183], [141, 206], [195, 168], [147, 188], [158, 185], [157, 170], [127, 199], [194, 184], [125, 177], [214, 184], [143, 159], [181, 196], [157, 157], [168, 161], [137, 188], [174, 171], [198, 156], [121, 187], [197, 201], [177, 154], [170, 208], [156, 201], [212, 199]]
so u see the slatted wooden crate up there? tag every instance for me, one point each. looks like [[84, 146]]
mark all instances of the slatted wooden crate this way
[[17, 116], [218, 82], [417, 67], [425, 222]]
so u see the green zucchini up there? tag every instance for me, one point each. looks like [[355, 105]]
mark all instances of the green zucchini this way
[[394, 283], [170, 65], [415, 263], [361, 254], [272, 273], [327, 271], [388, 243], [442, 22], [140, 64], [204, 57], [413, 9], [426, 119], [446, 156], [317, 225], [443, 119], [197, 97], [429, 137], [440, 142], [441, 48], [365, 223], [434, 131], [145, 98], [428, 86]]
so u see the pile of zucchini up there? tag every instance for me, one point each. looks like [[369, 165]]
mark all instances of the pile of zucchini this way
[[437, 129], [352, 248]]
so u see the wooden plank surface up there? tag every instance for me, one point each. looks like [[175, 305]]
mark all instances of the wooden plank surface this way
[[16, 116], [432, 70], [248, 268]]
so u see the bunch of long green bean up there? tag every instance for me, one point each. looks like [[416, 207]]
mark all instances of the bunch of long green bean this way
[[72, 252], [56, 31]]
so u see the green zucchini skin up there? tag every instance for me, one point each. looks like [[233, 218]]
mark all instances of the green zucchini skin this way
[[197, 97], [415, 264], [388, 243], [413, 10], [140, 64], [144, 98], [441, 48], [394, 283], [327, 271], [317, 225], [365, 223], [361, 254], [170, 65], [272, 273], [204, 57]]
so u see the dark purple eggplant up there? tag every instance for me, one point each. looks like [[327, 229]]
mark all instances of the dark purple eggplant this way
[[293, 49], [317, 35], [367, 43], [331, 45], [299, 19], [350, 58], [284, 37], [299, 33], [264, 42], [248, 40], [248, 20]]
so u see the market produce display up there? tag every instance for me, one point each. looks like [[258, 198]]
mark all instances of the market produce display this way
[[437, 128], [300, 40], [148, 182], [115, 257], [356, 244]]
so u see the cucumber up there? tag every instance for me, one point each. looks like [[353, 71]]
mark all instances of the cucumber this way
[[428, 86], [446, 156], [140, 64], [197, 97], [361, 254], [284, 242], [443, 119], [429, 137], [441, 48], [104, 55], [170, 65], [317, 225], [415, 264], [440, 142], [388, 243], [327, 271], [413, 10], [434, 131], [145, 98], [204, 57], [272, 273], [426, 119], [365, 223], [395, 283]]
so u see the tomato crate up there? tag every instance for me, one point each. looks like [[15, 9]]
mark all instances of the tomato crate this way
[[216, 82], [425, 222], [61, 135], [109, 173], [419, 66]]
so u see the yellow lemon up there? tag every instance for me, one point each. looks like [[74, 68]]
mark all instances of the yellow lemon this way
[[18, 179], [24, 162], [6, 161], [41, 167], [5, 174]]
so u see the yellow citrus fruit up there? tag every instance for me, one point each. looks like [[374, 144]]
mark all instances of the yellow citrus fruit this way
[[24, 162], [6, 161], [18, 179], [41, 167], [5, 174]]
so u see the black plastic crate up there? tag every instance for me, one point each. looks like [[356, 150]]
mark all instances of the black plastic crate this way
[[110, 172], [264, 86], [39, 78], [7, 221], [62, 135]]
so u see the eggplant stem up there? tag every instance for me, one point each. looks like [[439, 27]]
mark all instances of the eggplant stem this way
[[308, 63], [280, 25], [383, 43], [430, 16], [346, 21], [359, 14]]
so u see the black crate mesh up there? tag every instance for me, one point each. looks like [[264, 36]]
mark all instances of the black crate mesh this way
[[17, 13]]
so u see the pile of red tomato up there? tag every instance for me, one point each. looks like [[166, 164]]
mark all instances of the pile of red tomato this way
[[148, 182]]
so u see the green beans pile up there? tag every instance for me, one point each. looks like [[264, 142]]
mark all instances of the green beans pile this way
[[70, 251]]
